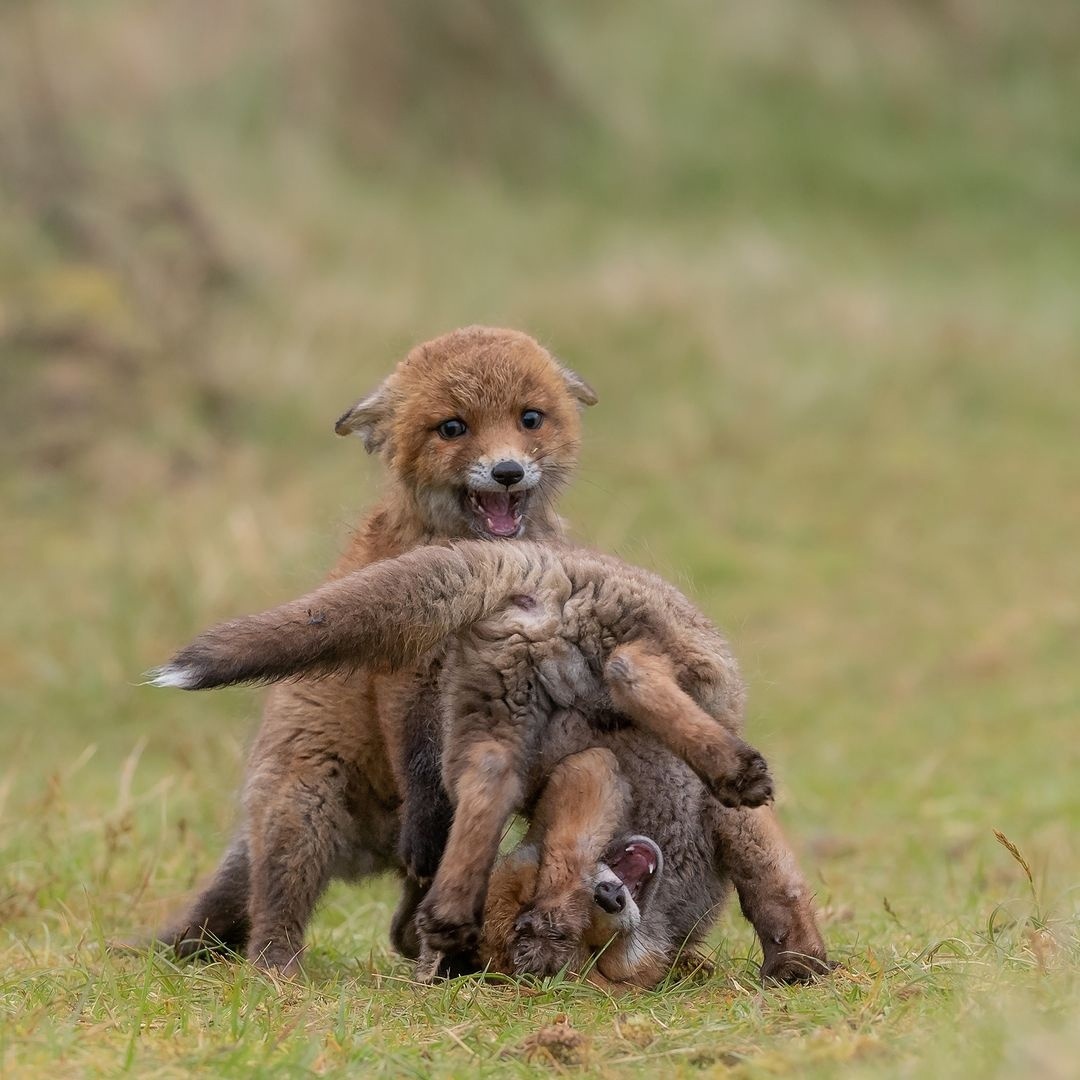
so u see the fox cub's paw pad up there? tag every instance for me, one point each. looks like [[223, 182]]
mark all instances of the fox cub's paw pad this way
[[754, 782], [750, 784], [544, 942]]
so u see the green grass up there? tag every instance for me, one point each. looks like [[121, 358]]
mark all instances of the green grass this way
[[823, 274]]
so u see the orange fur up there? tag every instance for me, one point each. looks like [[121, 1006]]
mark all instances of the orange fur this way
[[325, 771]]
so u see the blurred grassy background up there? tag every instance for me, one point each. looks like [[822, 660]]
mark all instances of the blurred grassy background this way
[[821, 263]]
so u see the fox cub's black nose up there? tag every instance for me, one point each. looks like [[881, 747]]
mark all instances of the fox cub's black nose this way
[[611, 896], [507, 472]]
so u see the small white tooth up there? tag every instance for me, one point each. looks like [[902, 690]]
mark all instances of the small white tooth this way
[[652, 867], [630, 848]]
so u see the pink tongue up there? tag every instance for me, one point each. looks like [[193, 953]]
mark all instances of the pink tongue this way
[[496, 507], [633, 865]]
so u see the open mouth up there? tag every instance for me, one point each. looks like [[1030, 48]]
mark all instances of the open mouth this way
[[497, 513], [636, 864]]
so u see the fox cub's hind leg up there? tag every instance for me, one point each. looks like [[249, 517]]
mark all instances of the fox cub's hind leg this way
[[642, 684], [773, 893], [299, 834]]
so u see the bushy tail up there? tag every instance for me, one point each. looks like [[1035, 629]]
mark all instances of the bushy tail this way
[[383, 616]]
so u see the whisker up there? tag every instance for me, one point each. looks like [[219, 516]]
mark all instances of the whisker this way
[[548, 451]]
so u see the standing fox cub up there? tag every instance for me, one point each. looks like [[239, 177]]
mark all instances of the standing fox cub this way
[[538, 641], [480, 432]]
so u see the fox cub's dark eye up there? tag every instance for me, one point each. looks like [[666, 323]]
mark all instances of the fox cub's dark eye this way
[[452, 429], [531, 419]]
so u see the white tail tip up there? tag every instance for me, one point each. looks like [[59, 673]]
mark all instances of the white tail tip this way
[[182, 678]]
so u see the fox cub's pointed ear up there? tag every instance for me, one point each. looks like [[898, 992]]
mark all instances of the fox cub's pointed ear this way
[[368, 418], [579, 389]]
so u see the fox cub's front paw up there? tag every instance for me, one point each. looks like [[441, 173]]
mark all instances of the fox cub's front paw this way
[[545, 942], [795, 951], [748, 784], [444, 933]]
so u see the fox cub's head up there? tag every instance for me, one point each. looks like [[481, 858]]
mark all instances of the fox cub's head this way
[[602, 919], [480, 426]]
